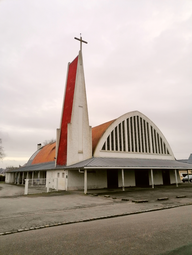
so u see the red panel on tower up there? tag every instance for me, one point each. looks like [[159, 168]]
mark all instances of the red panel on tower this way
[[67, 111]]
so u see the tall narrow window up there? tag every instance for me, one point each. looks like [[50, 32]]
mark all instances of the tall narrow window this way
[[112, 140], [128, 136], [148, 138], [116, 139], [142, 144]]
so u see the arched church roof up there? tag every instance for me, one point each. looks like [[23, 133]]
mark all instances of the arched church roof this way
[[43, 155], [130, 135], [133, 135]]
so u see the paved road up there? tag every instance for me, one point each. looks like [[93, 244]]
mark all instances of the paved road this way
[[21, 213], [160, 232]]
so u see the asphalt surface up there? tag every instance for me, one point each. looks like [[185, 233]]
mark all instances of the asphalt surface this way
[[159, 232], [20, 213]]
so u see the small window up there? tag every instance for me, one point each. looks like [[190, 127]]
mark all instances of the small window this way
[[62, 175], [57, 175]]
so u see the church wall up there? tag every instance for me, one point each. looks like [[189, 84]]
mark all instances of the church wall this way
[[129, 178], [172, 176], [95, 179], [157, 177], [9, 178], [56, 177]]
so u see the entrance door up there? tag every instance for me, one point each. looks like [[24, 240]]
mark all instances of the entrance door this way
[[112, 178], [166, 177], [142, 178]]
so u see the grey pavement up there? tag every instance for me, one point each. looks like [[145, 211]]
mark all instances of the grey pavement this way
[[23, 213]]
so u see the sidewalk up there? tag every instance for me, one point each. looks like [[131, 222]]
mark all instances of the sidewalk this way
[[24, 213]]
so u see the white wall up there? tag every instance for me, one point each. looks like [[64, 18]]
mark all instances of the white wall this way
[[95, 179], [172, 177], [129, 178], [56, 177]]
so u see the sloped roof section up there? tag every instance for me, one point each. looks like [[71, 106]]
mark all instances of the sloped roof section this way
[[45, 154], [130, 163], [97, 133]]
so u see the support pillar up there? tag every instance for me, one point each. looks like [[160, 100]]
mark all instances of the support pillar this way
[[152, 179], [18, 178], [123, 179], [23, 178], [32, 178], [176, 180], [188, 174], [26, 186], [39, 175], [85, 181]]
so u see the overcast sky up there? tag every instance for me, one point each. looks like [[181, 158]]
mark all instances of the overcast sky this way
[[138, 57]]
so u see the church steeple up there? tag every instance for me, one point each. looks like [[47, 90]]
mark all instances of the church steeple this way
[[75, 140]]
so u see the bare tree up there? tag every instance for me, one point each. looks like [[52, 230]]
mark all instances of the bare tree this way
[[49, 141], [2, 154]]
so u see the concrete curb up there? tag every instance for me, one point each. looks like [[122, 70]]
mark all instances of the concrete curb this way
[[91, 219]]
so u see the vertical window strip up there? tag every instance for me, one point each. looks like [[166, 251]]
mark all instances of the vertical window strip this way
[[116, 140], [112, 140], [164, 148], [155, 141], [104, 146], [161, 145], [158, 141], [123, 135], [135, 133], [152, 140], [145, 135], [148, 136], [126, 135], [142, 143], [129, 135], [138, 132], [108, 143], [120, 134], [132, 135]]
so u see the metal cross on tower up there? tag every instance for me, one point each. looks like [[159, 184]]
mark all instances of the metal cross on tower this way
[[80, 41]]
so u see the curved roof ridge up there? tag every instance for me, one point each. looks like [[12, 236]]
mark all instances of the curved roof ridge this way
[[46, 154], [98, 131]]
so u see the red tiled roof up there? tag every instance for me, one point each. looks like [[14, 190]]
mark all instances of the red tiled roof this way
[[46, 154]]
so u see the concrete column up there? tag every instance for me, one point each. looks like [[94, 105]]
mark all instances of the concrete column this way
[[188, 175], [176, 180], [15, 178], [123, 179], [85, 181], [26, 186], [32, 178], [39, 174], [22, 178], [18, 178], [152, 179]]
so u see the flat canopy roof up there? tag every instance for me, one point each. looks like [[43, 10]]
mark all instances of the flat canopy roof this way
[[110, 163]]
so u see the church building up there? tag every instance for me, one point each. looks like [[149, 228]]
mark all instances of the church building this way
[[127, 151]]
